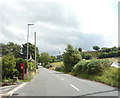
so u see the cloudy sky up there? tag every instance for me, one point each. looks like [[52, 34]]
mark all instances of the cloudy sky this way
[[82, 23]]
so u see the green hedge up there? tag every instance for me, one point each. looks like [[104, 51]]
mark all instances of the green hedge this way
[[109, 54], [92, 67], [98, 70]]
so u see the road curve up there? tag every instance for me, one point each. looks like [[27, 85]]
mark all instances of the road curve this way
[[52, 83]]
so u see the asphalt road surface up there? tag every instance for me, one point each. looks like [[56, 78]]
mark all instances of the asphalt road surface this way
[[52, 83]]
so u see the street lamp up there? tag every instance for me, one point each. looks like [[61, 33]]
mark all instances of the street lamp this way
[[28, 39], [35, 50]]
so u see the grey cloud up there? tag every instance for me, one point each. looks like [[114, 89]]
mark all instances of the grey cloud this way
[[51, 13]]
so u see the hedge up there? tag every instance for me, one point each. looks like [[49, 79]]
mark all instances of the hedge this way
[[92, 67]]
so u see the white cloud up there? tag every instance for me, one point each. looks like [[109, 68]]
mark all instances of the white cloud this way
[[83, 23]]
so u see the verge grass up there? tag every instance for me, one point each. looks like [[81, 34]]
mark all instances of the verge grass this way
[[56, 64], [28, 77]]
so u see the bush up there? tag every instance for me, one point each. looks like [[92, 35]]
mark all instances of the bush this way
[[92, 67], [109, 54], [88, 56], [18, 62], [48, 66], [71, 57], [103, 55], [60, 68], [31, 66], [8, 66], [80, 67]]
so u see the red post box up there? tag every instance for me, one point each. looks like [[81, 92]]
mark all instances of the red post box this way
[[22, 66]]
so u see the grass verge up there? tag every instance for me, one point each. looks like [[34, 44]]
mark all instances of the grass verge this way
[[56, 64], [28, 77], [109, 76]]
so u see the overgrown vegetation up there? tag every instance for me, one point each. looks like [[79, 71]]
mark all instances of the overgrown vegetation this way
[[70, 58], [8, 67]]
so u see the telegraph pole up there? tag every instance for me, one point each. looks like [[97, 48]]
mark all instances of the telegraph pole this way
[[60, 57], [28, 42], [35, 50]]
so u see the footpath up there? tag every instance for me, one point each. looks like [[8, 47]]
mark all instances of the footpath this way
[[9, 90]]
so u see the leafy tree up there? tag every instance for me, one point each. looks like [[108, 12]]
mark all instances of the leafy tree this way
[[105, 49], [114, 48], [31, 51], [118, 48], [53, 58], [45, 58], [80, 49], [8, 66], [11, 48], [96, 47], [71, 57], [88, 56], [103, 55]]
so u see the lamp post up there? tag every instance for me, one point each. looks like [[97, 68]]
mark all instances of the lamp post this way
[[35, 50], [28, 39]]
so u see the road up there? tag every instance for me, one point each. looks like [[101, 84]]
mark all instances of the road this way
[[52, 83]]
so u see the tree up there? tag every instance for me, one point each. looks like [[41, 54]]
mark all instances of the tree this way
[[71, 57], [96, 47], [53, 58], [105, 49], [45, 58], [11, 48], [8, 66], [80, 49], [88, 56], [31, 51]]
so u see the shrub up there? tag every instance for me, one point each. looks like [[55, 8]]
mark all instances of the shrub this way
[[92, 67], [18, 62], [103, 55], [31, 66], [71, 57], [80, 67], [60, 68], [8, 66], [48, 66], [88, 56]]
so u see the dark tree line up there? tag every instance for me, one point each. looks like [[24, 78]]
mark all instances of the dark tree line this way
[[19, 51]]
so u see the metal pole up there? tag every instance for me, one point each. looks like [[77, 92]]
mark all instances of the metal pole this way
[[35, 51], [60, 57], [27, 41]]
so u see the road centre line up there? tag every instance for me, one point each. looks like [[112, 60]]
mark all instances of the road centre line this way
[[61, 78], [74, 87]]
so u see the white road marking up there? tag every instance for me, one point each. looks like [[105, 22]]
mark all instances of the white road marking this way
[[61, 78], [15, 89], [5, 89], [74, 87], [57, 76]]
